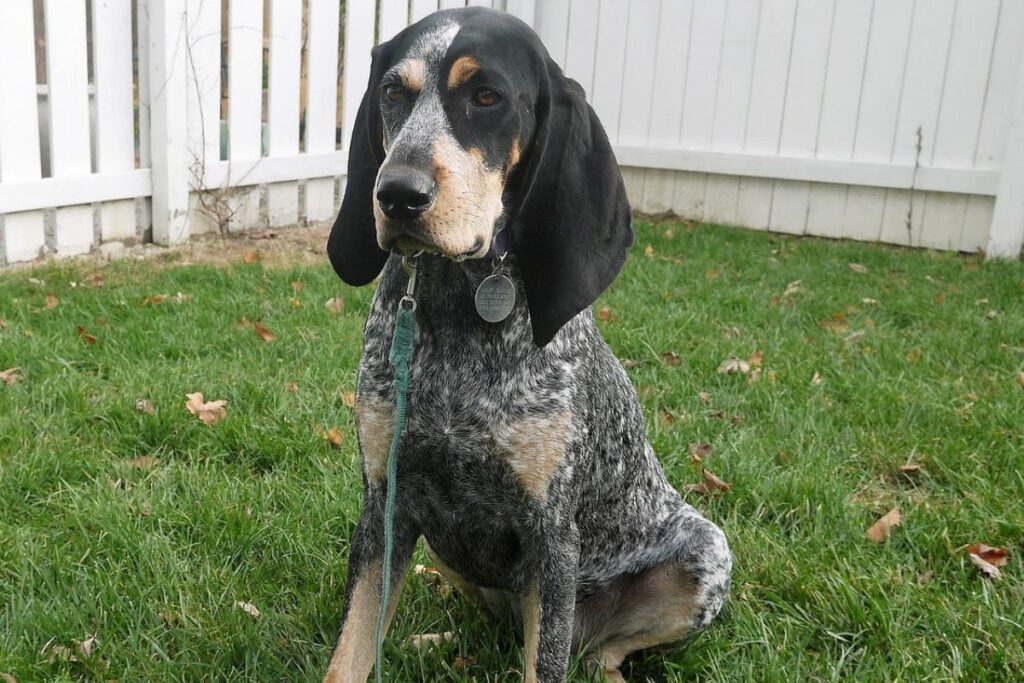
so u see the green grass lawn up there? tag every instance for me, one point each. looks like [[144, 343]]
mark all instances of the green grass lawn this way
[[913, 362]]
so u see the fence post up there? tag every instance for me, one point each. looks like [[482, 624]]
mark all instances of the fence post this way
[[1006, 235], [168, 120]]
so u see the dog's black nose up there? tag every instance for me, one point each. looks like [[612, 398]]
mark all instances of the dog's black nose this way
[[405, 193]]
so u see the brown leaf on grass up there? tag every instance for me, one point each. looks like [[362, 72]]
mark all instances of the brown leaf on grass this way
[[671, 358], [837, 323], [294, 302], [10, 376], [665, 418], [421, 569], [924, 578], [604, 314], [8, 678], [207, 411], [62, 653], [52, 301], [85, 647], [1020, 378], [997, 557], [756, 359], [914, 355], [84, 335], [262, 332], [869, 301], [649, 251], [911, 468], [711, 485], [731, 366], [879, 531], [668, 233], [423, 641], [816, 379], [291, 387], [985, 567], [858, 268], [712, 274], [332, 436], [244, 323], [3, 324], [461, 663], [181, 298], [154, 299], [298, 286], [704, 397], [248, 608], [335, 305], [251, 256], [699, 451], [348, 398], [142, 462], [145, 406]]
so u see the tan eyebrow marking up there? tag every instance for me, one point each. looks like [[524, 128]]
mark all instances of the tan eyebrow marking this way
[[413, 73], [462, 70]]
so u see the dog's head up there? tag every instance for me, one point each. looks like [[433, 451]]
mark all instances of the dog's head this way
[[469, 128]]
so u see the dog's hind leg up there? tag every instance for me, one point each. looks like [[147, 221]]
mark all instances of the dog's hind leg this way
[[671, 599], [494, 602], [354, 653]]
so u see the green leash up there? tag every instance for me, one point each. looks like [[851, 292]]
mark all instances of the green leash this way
[[401, 352]]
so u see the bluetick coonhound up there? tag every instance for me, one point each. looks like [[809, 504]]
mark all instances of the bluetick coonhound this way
[[524, 465]]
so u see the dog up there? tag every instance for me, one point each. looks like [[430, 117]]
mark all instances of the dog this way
[[524, 464]]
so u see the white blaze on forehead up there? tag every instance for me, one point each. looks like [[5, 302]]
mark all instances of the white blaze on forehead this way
[[433, 44]]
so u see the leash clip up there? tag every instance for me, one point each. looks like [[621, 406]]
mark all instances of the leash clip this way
[[409, 266]]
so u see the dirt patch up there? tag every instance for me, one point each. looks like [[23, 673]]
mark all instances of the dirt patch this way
[[274, 248]]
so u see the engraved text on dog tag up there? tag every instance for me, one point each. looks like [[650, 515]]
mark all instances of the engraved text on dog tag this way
[[495, 298]]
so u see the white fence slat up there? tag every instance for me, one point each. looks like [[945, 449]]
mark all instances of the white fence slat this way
[[702, 75], [963, 95], [609, 65], [203, 47], [582, 42], [19, 127], [944, 215], [451, 4], [359, 17], [636, 94], [1007, 54], [812, 32], [68, 79], [322, 108], [1007, 233], [245, 107], [394, 16], [283, 102], [418, 10], [115, 124], [878, 112], [524, 9], [736, 73], [168, 121], [144, 216], [977, 222], [552, 25]]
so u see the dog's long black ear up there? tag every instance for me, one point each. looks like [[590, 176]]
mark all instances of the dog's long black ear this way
[[352, 246], [572, 228]]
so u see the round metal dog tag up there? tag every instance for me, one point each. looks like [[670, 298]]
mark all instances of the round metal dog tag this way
[[495, 298]]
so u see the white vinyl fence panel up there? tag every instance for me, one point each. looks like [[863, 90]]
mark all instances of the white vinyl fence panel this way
[[900, 121]]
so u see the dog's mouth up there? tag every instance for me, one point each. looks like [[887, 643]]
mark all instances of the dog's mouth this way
[[408, 240]]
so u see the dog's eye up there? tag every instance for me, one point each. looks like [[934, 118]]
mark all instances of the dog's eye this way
[[485, 97], [395, 93]]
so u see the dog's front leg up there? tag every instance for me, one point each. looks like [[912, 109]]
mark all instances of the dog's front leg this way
[[548, 605], [353, 656]]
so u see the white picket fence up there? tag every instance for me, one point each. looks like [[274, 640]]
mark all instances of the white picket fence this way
[[895, 120]]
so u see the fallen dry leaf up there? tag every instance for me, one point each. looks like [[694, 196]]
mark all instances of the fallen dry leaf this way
[[425, 640], [244, 323], [604, 314], [648, 251], [332, 436], [461, 663], [670, 358], [704, 397], [209, 412], [712, 274], [142, 462], [733, 365], [985, 567], [665, 418], [1020, 378], [154, 299], [837, 323], [294, 302], [815, 379], [52, 301], [298, 286], [85, 647], [348, 398], [756, 359], [858, 268], [10, 376], [712, 484], [251, 256], [924, 578], [62, 653], [180, 298], [8, 678], [791, 289], [869, 302], [997, 557], [879, 531], [699, 451], [144, 406], [248, 608], [291, 387], [335, 305], [36, 281], [914, 355], [84, 335], [911, 468], [421, 569], [262, 332], [3, 324]]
